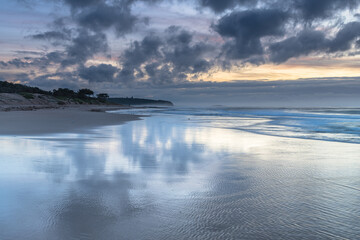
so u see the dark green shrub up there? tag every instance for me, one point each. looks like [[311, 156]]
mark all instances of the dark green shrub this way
[[27, 95]]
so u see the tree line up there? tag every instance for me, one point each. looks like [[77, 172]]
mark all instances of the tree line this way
[[85, 93]]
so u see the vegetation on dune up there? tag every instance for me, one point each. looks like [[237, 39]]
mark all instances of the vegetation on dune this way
[[27, 95], [82, 96], [103, 97], [64, 95], [85, 93], [6, 87]]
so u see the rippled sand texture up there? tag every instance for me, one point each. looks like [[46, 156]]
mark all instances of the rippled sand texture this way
[[169, 178]]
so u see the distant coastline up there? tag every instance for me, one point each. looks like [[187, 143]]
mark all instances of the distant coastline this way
[[139, 101]]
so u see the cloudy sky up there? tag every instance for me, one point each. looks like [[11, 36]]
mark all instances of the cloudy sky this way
[[234, 52]]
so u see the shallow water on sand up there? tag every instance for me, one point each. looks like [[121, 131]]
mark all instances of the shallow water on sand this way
[[168, 177]]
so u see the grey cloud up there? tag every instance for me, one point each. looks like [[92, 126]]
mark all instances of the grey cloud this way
[[313, 9], [126, 75], [81, 3], [59, 35], [78, 50], [165, 61], [307, 10], [136, 55], [46, 60], [303, 44], [40, 62], [16, 62], [252, 23], [46, 81], [103, 16], [15, 77], [51, 35], [219, 6], [84, 46], [345, 37], [140, 52], [246, 28], [161, 75], [19, 63], [100, 73], [28, 53], [87, 37], [310, 41], [64, 79], [185, 56], [55, 57]]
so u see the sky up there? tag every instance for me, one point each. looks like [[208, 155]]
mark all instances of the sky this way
[[193, 52]]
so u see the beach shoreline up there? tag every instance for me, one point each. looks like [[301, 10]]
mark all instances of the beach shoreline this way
[[67, 119]]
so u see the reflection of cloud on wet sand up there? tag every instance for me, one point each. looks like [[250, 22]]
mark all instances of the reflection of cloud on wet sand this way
[[104, 181]]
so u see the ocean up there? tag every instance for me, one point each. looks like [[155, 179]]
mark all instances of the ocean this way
[[327, 124], [188, 173]]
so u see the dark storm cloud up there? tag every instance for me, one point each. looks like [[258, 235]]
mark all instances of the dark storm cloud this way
[[310, 41], [84, 46], [246, 28], [103, 16], [136, 55], [140, 52], [160, 74], [303, 44], [252, 23], [83, 33], [313, 9], [345, 37], [186, 56], [100, 15], [307, 10], [167, 60], [100, 73]]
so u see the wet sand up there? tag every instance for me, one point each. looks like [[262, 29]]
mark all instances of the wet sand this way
[[168, 177], [66, 120]]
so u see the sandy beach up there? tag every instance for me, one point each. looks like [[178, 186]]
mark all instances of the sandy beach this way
[[61, 120]]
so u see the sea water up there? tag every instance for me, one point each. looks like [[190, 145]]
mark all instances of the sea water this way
[[217, 173]]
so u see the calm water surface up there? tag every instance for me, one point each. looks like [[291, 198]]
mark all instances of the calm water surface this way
[[183, 175]]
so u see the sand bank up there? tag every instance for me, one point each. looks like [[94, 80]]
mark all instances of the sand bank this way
[[65, 120]]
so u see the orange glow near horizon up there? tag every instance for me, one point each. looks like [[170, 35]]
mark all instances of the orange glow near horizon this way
[[292, 70], [273, 73]]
